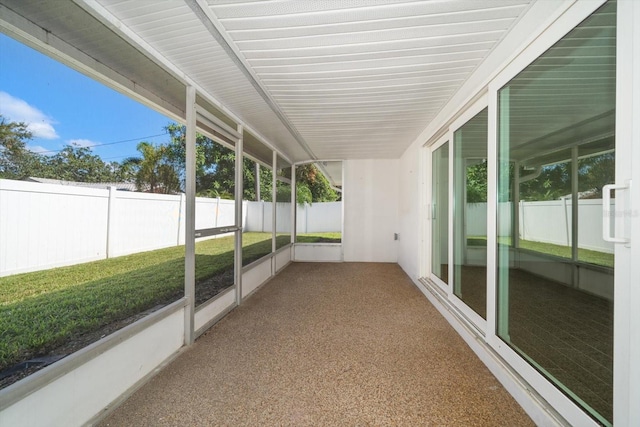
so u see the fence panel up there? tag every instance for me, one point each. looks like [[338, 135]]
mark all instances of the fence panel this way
[[144, 222], [325, 217], [44, 226]]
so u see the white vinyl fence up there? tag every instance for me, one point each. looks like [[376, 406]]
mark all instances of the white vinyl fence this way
[[325, 217], [45, 225], [547, 222]]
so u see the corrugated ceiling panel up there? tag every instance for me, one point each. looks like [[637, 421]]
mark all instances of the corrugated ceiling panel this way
[[188, 45], [363, 78], [358, 78]]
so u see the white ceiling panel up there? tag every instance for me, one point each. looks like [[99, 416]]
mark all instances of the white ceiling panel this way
[[319, 79], [362, 78]]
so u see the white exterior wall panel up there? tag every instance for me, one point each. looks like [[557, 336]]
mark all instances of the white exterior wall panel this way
[[371, 200]]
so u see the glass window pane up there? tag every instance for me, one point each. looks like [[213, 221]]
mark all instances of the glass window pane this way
[[596, 168], [440, 212], [555, 274], [257, 224], [319, 203], [470, 213], [215, 208], [283, 203], [91, 212]]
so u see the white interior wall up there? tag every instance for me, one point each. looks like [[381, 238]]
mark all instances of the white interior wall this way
[[410, 224], [371, 196]]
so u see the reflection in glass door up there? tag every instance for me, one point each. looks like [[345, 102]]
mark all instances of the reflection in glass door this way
[[440, 212], [470, 213], [556, 144]]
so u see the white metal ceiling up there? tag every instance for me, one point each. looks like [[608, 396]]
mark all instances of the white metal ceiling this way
[[341, 78], [362, 79], [319, 79]]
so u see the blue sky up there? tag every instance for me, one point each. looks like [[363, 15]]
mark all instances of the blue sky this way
[[62, 106]]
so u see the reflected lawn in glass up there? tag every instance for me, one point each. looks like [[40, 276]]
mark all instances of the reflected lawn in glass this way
[[584, 255]]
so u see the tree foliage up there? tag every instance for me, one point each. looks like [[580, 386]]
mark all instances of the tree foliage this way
[[311, 182], [477, 183], [159, 168], [16, 162], [154, 172], [72, 163]]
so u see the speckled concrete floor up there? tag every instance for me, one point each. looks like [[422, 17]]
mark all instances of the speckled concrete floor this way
[[324, 345]]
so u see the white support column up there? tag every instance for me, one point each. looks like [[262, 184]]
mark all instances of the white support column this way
[[238, 220], [293, 204], [190, 218], [257, 178], [273, 211]]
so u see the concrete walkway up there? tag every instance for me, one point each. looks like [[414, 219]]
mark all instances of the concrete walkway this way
[[325, 345]]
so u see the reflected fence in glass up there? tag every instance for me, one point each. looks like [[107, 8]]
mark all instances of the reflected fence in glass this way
[[555, 273], [470, 201]]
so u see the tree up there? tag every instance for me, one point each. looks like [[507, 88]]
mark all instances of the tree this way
[[595, 172], [16, 161], [215, 172], [477, 182], [310, 181], [75, 163], [154, 172], [215, 167]]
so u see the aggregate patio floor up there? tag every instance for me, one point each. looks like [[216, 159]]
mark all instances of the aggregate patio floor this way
[[326, 344]]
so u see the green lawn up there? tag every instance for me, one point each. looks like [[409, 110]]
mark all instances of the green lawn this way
[[319, 237], [584, 255], [43, 310]]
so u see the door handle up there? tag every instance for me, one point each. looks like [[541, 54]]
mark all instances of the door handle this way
[[608, 213]]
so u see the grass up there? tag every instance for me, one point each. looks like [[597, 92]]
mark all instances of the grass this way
[[319, 237], [43, 310], [584, 255]]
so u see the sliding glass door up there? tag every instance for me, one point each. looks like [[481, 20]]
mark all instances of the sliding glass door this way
[[470, 216], [556, 154], [439, 213]]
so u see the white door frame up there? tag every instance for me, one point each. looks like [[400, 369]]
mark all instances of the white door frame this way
[[558, 29], [475, 319], [626, 369], [430, 149]]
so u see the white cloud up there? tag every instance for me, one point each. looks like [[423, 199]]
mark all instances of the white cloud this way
[[18, 110], [82, 142]]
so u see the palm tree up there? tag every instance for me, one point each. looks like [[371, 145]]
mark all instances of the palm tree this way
[[154, 171]]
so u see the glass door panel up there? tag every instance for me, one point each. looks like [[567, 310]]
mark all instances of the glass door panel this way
[[440, 212], [556, 150], [470, 213]]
